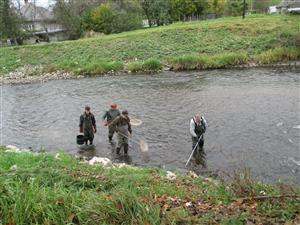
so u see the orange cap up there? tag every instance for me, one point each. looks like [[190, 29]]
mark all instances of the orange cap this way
[[114, 105]]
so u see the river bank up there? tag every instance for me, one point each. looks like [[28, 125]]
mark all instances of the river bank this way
[[33, 74], [258, 40], [43, 188]]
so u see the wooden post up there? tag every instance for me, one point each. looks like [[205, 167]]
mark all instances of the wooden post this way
[[244, 9]]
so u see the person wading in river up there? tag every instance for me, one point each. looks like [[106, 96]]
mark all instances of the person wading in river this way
[[198, 126], [123, 127], [109, 116], [87, 125]]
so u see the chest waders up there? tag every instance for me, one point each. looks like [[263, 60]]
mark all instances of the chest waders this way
[[199, 130], [111, 115], [88, 129]]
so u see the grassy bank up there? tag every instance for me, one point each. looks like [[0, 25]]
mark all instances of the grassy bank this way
[[261, 39], [44, 189]]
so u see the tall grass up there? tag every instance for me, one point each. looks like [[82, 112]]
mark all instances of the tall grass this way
[[278, 55], [150, 65], [193, 62], [43, 189]]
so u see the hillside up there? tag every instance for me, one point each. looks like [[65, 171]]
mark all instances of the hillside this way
[[192, 45]]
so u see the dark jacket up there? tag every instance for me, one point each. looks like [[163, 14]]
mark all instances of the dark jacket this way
[[111, 114], [122, 123], [87, 121]]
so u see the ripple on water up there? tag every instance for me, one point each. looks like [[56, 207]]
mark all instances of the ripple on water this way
[[253, 117]]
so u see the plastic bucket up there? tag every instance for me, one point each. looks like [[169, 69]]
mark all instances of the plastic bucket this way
[[80, 139]]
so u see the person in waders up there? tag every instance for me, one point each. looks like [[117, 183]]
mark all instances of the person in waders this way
[[198, 126], [87, 125], [123, 127], [108, 117]]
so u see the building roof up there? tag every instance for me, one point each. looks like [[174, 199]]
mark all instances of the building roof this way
[[36, 13]]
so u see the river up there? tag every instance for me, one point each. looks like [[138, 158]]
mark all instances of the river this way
[[252, 114]]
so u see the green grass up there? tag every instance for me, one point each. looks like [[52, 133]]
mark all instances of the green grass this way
[[150, 65], [204, 44], [44, 190]]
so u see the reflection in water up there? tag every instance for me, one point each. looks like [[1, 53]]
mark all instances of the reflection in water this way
[[242, 108], [200, 157]]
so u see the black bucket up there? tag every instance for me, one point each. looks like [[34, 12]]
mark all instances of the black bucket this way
[[80, 139]]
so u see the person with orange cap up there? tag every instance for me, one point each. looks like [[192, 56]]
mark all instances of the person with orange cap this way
[[123, 127], [108, 117]]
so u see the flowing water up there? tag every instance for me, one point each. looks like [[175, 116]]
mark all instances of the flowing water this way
[[253, 118]]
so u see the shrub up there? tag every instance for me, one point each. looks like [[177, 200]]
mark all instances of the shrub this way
[[111, 18]]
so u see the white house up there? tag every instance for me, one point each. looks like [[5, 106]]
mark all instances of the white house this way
[[273, 9], [41, 22]]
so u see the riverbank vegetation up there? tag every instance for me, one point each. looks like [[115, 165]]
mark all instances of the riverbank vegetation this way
[[40, 188], [209, 44]]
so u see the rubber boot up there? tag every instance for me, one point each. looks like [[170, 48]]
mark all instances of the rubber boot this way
[[126, 149], [118, 151]]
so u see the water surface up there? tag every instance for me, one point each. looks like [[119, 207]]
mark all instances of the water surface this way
[[251, 114]]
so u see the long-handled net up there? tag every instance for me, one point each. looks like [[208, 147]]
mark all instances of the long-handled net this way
[[143, 145]]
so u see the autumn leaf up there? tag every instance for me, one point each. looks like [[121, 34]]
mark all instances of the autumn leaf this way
[[143, 198], [118, 205]]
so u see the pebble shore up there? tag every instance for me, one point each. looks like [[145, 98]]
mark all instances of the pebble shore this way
[[35, 74]]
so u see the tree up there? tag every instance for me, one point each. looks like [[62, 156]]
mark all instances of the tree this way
[[10, 23], [113, 18], [157, 11], [70, 12], [234, 7], [216, 6], [183, 9]]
